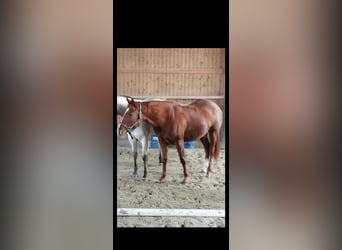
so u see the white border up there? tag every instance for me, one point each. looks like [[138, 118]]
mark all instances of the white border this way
[[155, 212]]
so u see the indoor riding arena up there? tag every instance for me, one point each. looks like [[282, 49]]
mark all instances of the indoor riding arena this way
[[183, 76]]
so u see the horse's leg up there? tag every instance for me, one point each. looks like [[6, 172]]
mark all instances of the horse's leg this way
[[163, 147], [180, 149], [135, 153], [144, 149], [213, 140], [205, 142], [160, 157], [160, 154]]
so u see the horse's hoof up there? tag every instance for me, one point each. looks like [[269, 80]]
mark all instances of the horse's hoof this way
[[144, 176], [184, 179]]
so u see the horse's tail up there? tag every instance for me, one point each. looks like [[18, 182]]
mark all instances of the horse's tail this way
[[216, 145]]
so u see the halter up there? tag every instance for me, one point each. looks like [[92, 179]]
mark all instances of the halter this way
[[132, 127]]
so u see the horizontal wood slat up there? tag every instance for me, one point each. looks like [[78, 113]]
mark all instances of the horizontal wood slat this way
[[180, 97], [167, 71]]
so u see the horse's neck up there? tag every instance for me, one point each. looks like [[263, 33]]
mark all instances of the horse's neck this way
[[122, 105], [153, 113], [121, 109]]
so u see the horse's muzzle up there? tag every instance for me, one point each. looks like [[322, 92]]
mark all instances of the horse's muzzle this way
[[120, 130]]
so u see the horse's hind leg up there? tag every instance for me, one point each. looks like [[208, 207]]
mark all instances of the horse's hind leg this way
[[213, 140], [135, 153], [144, 148], [163, 147], [160, 157], [206, 144], [180, 149]]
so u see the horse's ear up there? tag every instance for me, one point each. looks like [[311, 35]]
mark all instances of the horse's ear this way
[[129, 99]]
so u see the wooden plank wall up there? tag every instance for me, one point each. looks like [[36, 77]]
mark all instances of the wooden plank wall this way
[[182, 73]]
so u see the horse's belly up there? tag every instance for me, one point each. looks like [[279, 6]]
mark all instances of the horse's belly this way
[[194, 134]]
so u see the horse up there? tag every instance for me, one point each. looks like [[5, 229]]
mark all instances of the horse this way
[[175, 123], [140, 133]]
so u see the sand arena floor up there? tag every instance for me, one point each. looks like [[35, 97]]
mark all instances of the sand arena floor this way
[[199, 192]]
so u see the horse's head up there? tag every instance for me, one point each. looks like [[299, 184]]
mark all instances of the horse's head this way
[[131, 117]]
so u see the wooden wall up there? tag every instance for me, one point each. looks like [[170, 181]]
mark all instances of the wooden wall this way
[[178, 74]]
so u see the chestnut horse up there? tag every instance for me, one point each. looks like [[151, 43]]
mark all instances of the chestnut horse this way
[[175, 123]]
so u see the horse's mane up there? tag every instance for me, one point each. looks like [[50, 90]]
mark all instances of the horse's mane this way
[[153, 100], [141, 100]]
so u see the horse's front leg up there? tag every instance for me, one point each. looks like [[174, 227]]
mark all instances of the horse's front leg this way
[[163, 147], [213, 141], [180, 149], [135, 153], [144, 148]]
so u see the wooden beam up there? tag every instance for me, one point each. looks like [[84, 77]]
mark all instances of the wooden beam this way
[[170, 71], [180, 97], [155, 212]]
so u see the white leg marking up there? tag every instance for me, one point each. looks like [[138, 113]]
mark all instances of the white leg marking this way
[[144, 145], [205, 165]]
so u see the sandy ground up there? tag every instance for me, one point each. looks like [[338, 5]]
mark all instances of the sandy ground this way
[[199, 192]]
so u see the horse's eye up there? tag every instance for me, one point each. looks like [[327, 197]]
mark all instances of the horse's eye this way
[[130, 114]]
